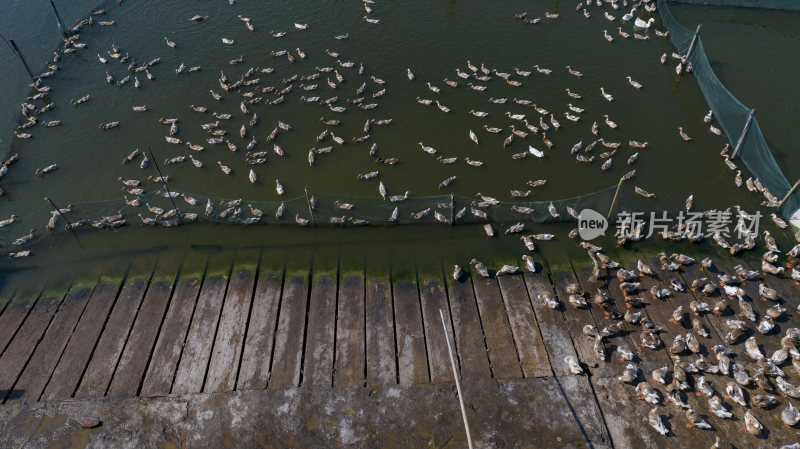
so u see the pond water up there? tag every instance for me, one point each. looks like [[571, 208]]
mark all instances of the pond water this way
[[433, 39]]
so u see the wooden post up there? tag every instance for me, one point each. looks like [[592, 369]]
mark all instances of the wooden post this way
[[310, 209], [794, 187], [58, 18], [458, 383], [744, 134], [164, 181], [619, 185], [62, 215], [452, 209], [691, 46], [16, 51]]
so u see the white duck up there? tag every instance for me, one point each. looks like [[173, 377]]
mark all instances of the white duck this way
[[628, 17], [639, 23]]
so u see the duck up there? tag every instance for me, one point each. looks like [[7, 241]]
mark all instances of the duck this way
[[433, 89], [607, 36], [683, 135], [633, 83], [574, 72], [639, 23], [480, 268], [629, 16], [623, 34], [478, 113], [611, 124], [473, 137], [442, 107], [227, 41], [572, 94], [492, 130], [542, 70], [301, 26], [410, 75], [170, 44], [519, 117], [607, 96]]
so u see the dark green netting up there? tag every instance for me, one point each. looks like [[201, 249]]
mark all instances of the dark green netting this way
[[729, 112], [766, 4]]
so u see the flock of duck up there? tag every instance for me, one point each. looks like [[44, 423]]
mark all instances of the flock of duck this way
[[227, 129], [735, 376]]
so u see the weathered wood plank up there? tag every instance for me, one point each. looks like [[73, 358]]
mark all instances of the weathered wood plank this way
[[21, 348], [257, 355], [11, 319], [167, 352], [381, 366], [193, 366], [472, 353], [532, 354], [106, 355], [224, 364], [575, 319], [350, 361], [551, 323], [33, 380], [318, 364], [288, 353], [499, 341], [577, 390], [434, 299], [139, 349], [72, 364], [412, 359]]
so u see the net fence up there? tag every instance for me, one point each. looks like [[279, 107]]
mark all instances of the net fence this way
[[766, 4], [729, 112], [171, 208]]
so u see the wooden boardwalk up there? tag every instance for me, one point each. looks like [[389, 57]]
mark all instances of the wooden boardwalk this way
[[257, 328]]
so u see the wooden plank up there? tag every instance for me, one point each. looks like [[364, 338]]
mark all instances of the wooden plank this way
[[433, 300], [196, 354], [21, 348], [350, 361], [577, 390], [521, 317], [106, 355], [79, 350], [225, 357], [167, 352], [139, 349], [257, 354], [575, 319], [381, 366], [33, 380], [412, 359], [472, 353], [318, 364], [499, 341], [288, 352], [555, 334], [12, 317]]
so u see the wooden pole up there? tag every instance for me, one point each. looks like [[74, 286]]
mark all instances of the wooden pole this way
[[744, 134], [794, 187], [694, 40], [452, 209], [16, 51], [164, 181], [458, 383], [310, 209], [59, 210], [58, 18], [619, 185]]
